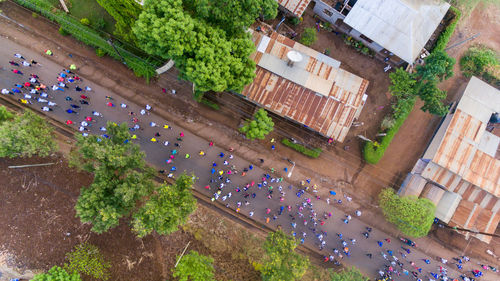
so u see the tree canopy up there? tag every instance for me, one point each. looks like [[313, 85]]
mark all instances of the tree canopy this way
[[203, 53], [121, 177], [438, 67], [25, 136], [350, 274], [57, 274], [194, 267], [412, 215], [234, 16], [167, 208], [282, 262], [87, 259], [125, 13], [259, 127], [5, 114]]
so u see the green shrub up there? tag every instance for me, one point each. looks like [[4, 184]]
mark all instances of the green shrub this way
[[294, 20], [309, 36], [63, 32], [373, 151], [314, 153], [85, 21], [87, 259], [99, 24], [33, 14], [445, 36], [57, 274], [480, 60], [100, 52]]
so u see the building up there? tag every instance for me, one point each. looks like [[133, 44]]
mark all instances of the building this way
[[312, 89], [460, 169], [397, 30], [295, 7]]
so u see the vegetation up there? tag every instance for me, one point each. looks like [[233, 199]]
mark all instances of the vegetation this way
[[467, 6], [5, 114], [412, 215], [121, 177], [91, 10], [351, 274], [25, 136], [406, 87], [167, 208], [481, 61], [85, 21], [205, 39], [87, 259], [233, 16], [309, 36], [445, 36], [281, 261], [259, 127], [195, 267], [100, 52], [314, 153], [141, 67], [125, 13], [358, 46], [57, 274]]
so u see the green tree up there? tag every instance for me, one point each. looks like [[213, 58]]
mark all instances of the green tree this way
[[282, 262], [203, 53], [167, 208], [402, 84], [194, 267], [438, 67], [309, 36], [259, 127], [480, 60], [234, 16], [5, 114], [25, 136], [87, 259], [432, 97], [121, 177], [412, 215], [57, 274], [351, 274], [125, 13]]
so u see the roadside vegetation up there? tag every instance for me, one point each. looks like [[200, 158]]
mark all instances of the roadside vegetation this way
[[412, 215], [483, 62], [259, 127], [407, 87], [311, 152]]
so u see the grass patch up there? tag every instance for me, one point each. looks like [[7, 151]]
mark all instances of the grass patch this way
[[373, 151], [313, 153], [91, 10], [467, 6], [210, 104]]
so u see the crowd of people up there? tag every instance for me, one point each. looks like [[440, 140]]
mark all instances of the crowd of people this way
[[239, 187]]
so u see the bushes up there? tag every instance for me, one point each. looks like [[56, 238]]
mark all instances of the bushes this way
[[373, 151], [87, 259], [445, 36], [309, 36], [85, 21], [314, 153], [481, 61], [412, 215], [100, 52], [141, 67], [63, 32]]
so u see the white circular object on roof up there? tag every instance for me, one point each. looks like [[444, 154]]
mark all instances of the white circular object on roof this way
[[294, 56]]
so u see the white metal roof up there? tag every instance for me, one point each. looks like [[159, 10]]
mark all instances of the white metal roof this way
[[401, 26]]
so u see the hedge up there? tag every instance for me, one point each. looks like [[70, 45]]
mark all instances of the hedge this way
[[141, 67], [445, 36], [372, 153], [314, 153]]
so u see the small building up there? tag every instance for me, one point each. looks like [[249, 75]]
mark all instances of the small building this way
[[294, 7], [460, 169], [397, 30], [301, 84]]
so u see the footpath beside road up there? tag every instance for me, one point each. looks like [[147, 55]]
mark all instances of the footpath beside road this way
[[157, 154]]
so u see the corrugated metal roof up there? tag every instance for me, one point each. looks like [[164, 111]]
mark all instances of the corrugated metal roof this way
[[314, 92], [401, 26], [296, 7]]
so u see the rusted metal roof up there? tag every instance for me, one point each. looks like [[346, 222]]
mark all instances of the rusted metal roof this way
[[296, 7], [314, 92]]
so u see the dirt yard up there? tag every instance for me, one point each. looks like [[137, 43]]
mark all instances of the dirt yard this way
[[43, 199]]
